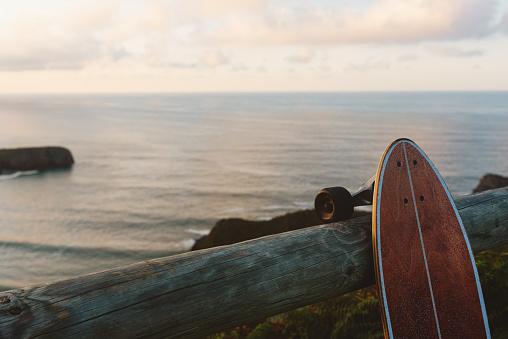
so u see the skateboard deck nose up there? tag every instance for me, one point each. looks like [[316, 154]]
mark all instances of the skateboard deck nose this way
[[426, 273]]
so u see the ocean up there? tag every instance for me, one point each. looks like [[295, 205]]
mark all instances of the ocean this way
[[155, 171]]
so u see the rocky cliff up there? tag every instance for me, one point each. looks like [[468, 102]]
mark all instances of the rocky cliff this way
[[230, 231]]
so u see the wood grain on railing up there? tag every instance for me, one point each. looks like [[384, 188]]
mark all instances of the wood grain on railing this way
[[202, 292]]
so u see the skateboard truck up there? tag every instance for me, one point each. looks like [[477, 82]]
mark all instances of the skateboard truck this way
[[336, 203]]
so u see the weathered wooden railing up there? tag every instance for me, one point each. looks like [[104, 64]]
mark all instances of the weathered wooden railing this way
[[197, 293]]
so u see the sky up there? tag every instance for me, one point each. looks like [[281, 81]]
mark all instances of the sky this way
[[110, 46]]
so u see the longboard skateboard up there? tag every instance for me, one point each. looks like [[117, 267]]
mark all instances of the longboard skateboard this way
[[425, 269]]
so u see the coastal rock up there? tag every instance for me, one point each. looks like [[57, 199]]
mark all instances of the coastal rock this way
[[491, 181], [230, 231], [34, 158]]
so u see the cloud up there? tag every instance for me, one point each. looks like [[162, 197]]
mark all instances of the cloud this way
[[368, 65], [78, 34], [154, 16], [207, 8], [42, 44], [302, 55], [75, 34], [323, 69], [385, 21], [326, 68], [503, 26], [214, 58], [454, 52], [408, 57], [239, 67], [183, 65], [207, 59]]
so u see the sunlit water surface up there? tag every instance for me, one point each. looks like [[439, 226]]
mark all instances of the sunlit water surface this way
[[153, 172]]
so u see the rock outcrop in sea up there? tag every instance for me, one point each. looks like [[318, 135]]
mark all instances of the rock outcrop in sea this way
[[34, 158], [230, 231], [491, 181]]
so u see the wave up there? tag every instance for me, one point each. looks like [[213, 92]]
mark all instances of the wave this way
[[236, 210], [35, 263], [245, 170], [263, 218], [199, 232], [17, 174], [304, 204], [295, 206], [102, 253]]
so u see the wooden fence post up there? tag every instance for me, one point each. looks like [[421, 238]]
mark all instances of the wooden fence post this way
[[201, 292]]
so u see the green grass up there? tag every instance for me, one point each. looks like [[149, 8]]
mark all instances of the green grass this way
[[357, 314]]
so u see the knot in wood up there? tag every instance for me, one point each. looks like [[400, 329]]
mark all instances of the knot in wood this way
[[4, 299], [15, 310], [350, 270], [10, 304]]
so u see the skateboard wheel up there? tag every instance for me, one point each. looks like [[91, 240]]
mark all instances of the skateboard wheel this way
[[334, 204]]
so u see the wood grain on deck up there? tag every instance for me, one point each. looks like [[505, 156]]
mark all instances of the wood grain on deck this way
[[430, 286]]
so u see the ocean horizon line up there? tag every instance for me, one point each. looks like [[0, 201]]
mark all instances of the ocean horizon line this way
[[141, 93]]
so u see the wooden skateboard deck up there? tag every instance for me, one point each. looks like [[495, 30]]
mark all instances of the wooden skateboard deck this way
[[426, 273]]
